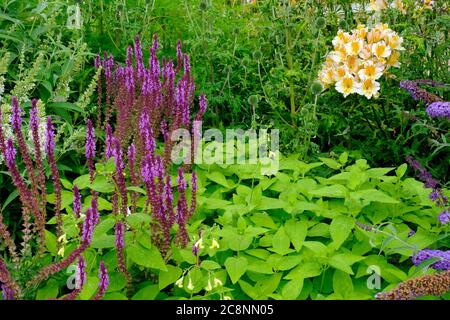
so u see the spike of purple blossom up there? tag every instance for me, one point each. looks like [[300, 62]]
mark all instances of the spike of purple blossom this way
[[50, 137], [138, 54], [104, 281], [97, 61], [88, 226], [76, 202], [90, 148], [16, 117], [444, 217], [109, 142], [119, 235], [81, 273]]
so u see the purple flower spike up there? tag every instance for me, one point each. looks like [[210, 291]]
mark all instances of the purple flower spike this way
[[8, 294], [16, 118], [439, 110], [104, 281], [90, 140], [88, 227], [76, 202], [10, 153], [50, 137], [119, 235], [109, 142], [81, 273]]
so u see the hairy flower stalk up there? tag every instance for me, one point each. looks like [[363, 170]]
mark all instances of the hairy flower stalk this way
[[104, 281], [90, 149], [86, 239], [120, 244], [8, 283], [435, 284], [34, 123], [9, 242], [50, 150], [16, 124]]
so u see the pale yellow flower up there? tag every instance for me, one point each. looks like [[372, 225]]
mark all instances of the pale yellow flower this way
[[326, 77], [341, 71], [371, 70], [190, 285], [341, 38], [217, 283], [377, 5], [399, 5], [353, 47], [179, 282], [381, 50], [395, 41], [214, 244], [209, 286], [347, 85], [392, 61], [369, 88]]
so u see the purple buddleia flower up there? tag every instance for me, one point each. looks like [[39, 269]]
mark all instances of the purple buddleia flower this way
[[411, 233], [16, 117], [417, 93], [50, 137], [443, 256], [104, 281], [119, 235], [440, 109], [76, 202], [444, 217], [423, 174], [109, 142], [81, 273]]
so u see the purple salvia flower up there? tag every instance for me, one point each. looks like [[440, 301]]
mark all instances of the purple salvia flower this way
[[81, 273], [90, 148], [104, 281], [194, 188], [8, 294], [119, 235], [76, 202], [439, 109], [130, 57], [109, 142], [50, 137], [97, 61], [88, 227], [138, 54], [10, 153], [203, 103], [95, 212], [444, 217], [179, 57], [168, 196], [444, 256], [16, 118]]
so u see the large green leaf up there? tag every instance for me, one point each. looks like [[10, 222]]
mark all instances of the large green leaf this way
[[149, 258], [236, 267], [340, 229]]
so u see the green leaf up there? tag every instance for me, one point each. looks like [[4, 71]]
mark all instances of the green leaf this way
[[210, 265], [342, 283], [333, 164], [117, 281], [292, 289], [340, 229], [51, 242], [103, 241], [343, 158], [13, 195], [101, 184], [373, 195], [50, 291], [168, 277], [236, 267], [137, 219], [149, 258], [104, 226], [89, 289], [67, 184], [400, 172], [334, 191], [218, 178], [268, 285], [82, 182], [281, 242], [147, 293], [114, 296], [305, 270], [344, 261]]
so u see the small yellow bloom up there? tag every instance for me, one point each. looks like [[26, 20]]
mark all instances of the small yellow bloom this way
[[190, 285], [341, 38], [214, 244], [354, 47], [179, 282], [347, 85], [61, 252], [199, 243], [381, 50], [209, 286], [371, 70], [226, 298], [369, 88], [217, 283], [395, 42]]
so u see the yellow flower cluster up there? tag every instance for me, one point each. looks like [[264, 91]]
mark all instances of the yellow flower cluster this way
[[379, 5], [360, 58]]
